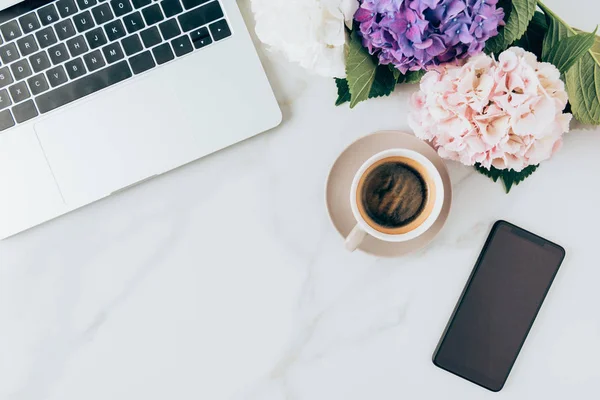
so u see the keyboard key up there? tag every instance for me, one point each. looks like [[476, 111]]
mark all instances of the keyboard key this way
[[38, 84], [133, 22], [152, 14], [5, 77], [5, 100], [46, 37], [132, 44], [200, 16], [96, 38], [48, 14], [6, 119], [58, 54], [121, 7], [66, 8], [10, 30], [83, 4], [19, 91], [200, 37], [163, 53], [83, 21], [102, 13], [141, 3], [84, 86], [27, 45], [21, 69], [75, 68], [171, 7], [57, 76], [113, 52], [77, 46], [142, 62], [115, 30], [94, 60], [151, 37], [9, 53], [219, 30], [182, 45], [25, 111], [169, 29], [65, 29], [39, 61], [29, 22], [188, 4]]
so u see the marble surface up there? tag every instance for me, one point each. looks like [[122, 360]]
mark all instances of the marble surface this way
[[225, 279]]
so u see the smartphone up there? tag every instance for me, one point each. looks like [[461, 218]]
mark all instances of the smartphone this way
[[498, 306]]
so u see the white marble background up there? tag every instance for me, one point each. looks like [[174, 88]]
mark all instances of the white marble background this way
[[225, 280]]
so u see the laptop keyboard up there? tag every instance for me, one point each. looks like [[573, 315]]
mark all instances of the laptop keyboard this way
[[55, 52]]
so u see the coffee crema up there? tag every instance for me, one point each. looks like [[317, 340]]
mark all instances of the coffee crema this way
[[395, 196]]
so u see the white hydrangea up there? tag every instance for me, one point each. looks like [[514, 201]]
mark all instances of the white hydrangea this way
[[309, 32]]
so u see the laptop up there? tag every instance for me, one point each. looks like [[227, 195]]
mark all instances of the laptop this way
[[100, 95]]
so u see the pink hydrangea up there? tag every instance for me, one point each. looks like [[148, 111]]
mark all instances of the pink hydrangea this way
[[506, 113]]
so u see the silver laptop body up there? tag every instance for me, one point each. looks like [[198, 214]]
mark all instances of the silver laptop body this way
[[146, 86]]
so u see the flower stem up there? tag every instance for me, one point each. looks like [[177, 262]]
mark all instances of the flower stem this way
[[552, 14]]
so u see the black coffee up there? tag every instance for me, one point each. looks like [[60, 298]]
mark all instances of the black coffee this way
[[394, 194]]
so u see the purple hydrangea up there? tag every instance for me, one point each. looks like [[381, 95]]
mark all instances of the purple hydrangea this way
[[420, 34]]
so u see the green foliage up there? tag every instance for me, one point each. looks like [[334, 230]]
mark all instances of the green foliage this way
[[413, 76], [583, 77], [360, 70], [365, 79], [395, 71], [557, 30], [518, 15], [384, 83], [534, 36], [583, 86], [569, 50], [343, 91], [509, 177]]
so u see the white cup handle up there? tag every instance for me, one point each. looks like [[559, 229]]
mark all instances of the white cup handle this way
[[355, 238]]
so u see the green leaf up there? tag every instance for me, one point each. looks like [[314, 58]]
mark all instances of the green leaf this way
[[411, 77], [360, 70], [396, 73], [414, 76], [533, 38], [583, 78], [557, 30], [509, 177], [517, 20], [583, 86], [384, 83], [343, 91], [569, 50]]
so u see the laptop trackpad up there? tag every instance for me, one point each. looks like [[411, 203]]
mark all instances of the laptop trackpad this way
[[115, 139]]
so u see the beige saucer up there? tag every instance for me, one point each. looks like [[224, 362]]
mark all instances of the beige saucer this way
[[340, 179]]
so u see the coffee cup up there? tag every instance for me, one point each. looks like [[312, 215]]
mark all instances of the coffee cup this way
[[395, 196]]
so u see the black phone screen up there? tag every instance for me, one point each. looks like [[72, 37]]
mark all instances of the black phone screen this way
[[498, 306]]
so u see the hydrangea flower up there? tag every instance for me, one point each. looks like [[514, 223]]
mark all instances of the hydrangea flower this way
[[308, 32], [419, 34], [506, 113]]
